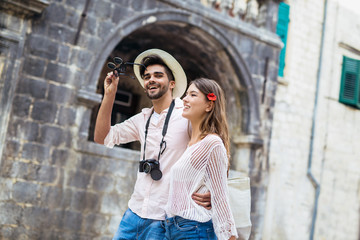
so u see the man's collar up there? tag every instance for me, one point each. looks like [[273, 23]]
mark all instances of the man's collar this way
[[178, 104]]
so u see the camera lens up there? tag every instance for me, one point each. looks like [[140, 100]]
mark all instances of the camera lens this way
[[156, 174], [147, 167]]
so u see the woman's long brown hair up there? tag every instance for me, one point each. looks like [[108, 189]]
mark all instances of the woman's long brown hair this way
[[215, 121]]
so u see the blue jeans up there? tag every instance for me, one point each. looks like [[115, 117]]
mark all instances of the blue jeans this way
[[134, 227], [180, 228]]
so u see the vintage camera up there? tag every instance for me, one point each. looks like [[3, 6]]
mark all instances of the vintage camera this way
[[151, 166]]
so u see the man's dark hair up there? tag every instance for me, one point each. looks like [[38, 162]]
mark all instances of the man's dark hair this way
[[155, 59]]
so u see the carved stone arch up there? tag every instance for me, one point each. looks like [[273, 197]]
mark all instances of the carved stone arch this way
[[247, 96]]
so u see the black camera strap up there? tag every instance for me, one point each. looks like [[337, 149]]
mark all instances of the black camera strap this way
[[165, 127]]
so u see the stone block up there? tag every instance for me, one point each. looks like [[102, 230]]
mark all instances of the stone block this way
[[105, 27], [114, 223], [85, 122], [102, 9], [7, 232], [90, 42], [34, 66], [34, 88], [21, 233], [48, 234], [25, 130], [76, 4], [246, 46], [25, 192], [66, 197], [53, 197], [44, 111], [42, 216], [14, 23], [90, 26], [77, 78], [41, 173], [92, 163], [263, 51], [6, 186], [137, 5], [15, 170], [59, 157], [68, 138], [64, 53], [119, 168], [122, 186], [79, 179], [103, 183], [57, 73], [82, 201], [42, 46], [55, 13], [81, 58], [111, 203], [21, 107], [120, 12], [94, 223], [67, 116], [72, 220], [39, 27], [61, 33], [11, 149], [35, 152], [60, 94], [10, 213], [52, 136]]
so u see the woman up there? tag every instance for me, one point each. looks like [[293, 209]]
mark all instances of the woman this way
[[203, 167]]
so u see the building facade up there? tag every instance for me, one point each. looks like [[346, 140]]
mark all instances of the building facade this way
[[55, 182], [314, 184]]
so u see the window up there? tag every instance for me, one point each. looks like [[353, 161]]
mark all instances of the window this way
[[350, 82], [281, 30]]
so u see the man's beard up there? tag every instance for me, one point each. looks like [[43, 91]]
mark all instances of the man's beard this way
[[162, 91]]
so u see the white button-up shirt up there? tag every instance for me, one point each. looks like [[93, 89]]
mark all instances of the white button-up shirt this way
[[150, 197]]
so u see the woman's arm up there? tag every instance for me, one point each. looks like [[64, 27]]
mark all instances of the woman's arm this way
[[216, 181]]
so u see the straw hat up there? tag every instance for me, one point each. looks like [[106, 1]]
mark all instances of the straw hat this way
[[170, 61]]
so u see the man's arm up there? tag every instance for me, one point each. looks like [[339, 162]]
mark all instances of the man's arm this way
[[203, 199], [103, 120]]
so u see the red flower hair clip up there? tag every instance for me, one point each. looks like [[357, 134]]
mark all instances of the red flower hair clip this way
[[211, 96]]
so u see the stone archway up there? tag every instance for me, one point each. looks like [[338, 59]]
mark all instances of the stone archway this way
[[201, 48]]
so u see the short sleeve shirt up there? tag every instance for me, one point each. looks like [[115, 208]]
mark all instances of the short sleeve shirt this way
[[150, 197]]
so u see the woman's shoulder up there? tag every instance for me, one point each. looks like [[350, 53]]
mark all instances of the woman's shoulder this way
[[212, 140]]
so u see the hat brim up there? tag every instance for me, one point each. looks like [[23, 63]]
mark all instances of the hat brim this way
[[171, 62]]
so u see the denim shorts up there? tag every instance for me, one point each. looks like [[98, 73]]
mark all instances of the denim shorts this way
[[134, 227], [181, 228]]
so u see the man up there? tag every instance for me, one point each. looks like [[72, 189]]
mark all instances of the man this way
[[163, 80]]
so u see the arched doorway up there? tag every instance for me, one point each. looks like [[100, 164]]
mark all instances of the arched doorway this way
[[203, 51], [198, 53]]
